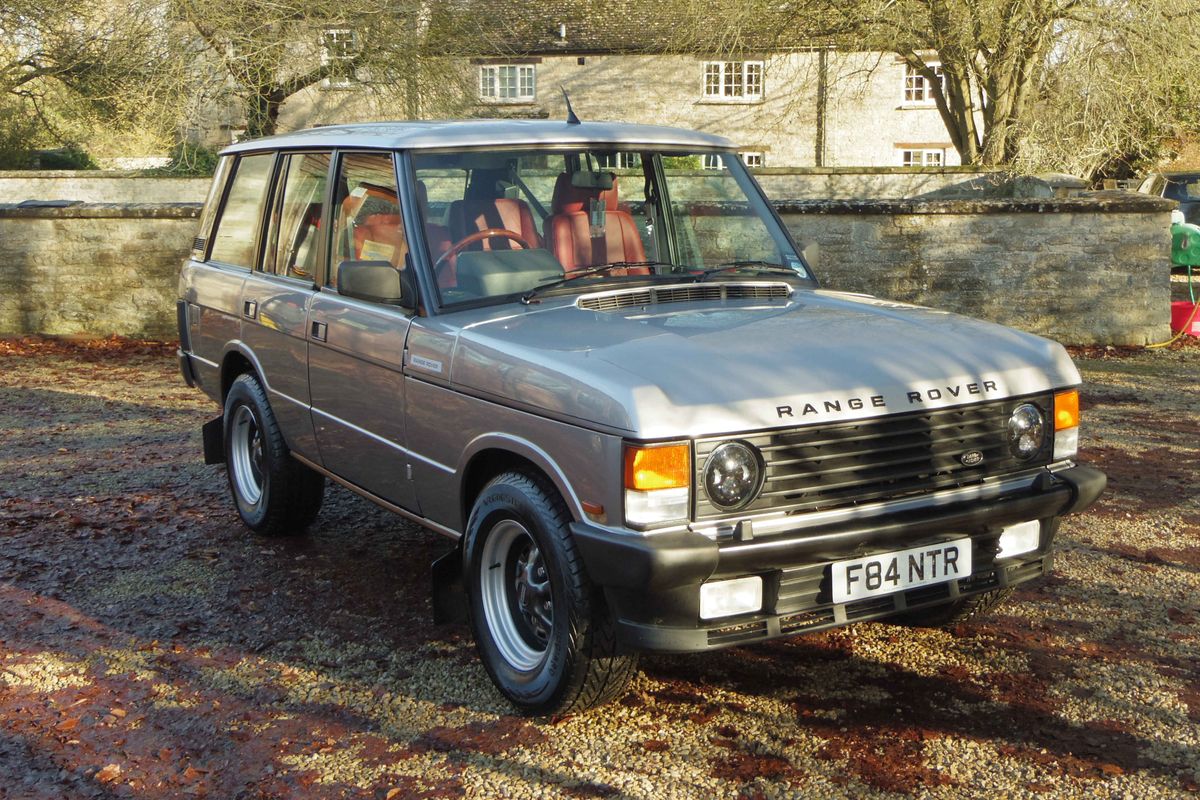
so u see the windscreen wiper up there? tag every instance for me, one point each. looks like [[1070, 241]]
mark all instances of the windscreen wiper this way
[[527, 298], [762, 267]]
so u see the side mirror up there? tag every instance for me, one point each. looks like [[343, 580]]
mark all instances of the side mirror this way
[[373, 281]]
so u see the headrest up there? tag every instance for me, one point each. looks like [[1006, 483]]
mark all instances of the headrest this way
[[570, 199]]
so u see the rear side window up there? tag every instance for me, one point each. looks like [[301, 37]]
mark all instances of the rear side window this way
[[366, 214], [237, 229], [292, 244]]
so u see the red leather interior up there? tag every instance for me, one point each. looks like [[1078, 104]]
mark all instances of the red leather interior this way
[[568, 230], [381, 237], [473, 215]]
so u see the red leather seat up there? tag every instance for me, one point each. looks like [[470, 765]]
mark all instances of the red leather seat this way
[[380, 237], [568, 230], [509, 213]]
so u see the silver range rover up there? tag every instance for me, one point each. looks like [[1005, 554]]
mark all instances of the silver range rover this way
[[591, 356]]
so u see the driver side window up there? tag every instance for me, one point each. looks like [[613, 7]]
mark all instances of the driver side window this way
[[367, 222]]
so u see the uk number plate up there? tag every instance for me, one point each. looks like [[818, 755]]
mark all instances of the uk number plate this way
[[904, 569]]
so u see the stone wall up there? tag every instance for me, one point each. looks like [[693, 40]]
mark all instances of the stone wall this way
[[844, 183], [99, 186], [93, 269], [797, 183], [1088, 270], [1091, 270]]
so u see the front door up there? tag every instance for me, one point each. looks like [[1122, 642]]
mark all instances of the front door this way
[[356, 348]]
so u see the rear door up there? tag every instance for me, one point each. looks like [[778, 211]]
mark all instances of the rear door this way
[[276, 295], [356, 348]]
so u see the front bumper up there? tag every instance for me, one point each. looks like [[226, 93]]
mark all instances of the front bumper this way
[[652, 582]]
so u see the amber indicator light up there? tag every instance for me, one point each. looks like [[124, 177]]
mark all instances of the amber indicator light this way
[[1066, 409], [661, 467]]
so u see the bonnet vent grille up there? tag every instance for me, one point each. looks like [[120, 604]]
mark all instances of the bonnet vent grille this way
[[198, 243], [614, 301]]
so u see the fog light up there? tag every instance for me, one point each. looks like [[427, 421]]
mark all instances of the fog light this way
[[1021, 538], [727, 598]]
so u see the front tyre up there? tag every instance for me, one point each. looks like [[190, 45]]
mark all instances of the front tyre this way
[[542, 628], [274, 494]]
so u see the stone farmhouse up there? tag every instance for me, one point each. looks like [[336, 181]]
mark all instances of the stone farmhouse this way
[[785, 104]]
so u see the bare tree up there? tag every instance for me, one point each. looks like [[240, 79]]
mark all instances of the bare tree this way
[[989, 64], [269, 50], [67, 66]]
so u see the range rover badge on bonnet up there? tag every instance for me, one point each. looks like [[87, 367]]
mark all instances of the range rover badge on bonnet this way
[[971, 458]]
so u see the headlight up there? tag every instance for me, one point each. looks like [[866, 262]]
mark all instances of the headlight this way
[[733, 475], [1026, 431]]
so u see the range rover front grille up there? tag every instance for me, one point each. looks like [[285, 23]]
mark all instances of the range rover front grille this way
[[613, 301], [830, 466]]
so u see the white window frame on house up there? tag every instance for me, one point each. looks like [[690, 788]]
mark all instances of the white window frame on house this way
[[507, 83], [338, 44], [620, 160], [923, 157], [712, 161], [733, 81], [916, 90], [753, 158]]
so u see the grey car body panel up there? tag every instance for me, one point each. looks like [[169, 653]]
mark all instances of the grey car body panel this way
[[449, 429], [482, 133], [275, 333], [702, 368], [358, 398], [214, 296]]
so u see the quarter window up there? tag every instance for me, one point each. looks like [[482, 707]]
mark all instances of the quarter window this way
[[238, 227], [733, 80], [294, 238], [367, 224], [917, 89], [507, 82]]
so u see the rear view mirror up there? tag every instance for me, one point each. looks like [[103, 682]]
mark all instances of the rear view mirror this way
[[593, 180], [373, 281]]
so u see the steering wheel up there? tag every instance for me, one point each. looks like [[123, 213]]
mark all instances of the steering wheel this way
[[479, 236]]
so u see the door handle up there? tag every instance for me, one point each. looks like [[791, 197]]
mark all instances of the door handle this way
[[250, 309], [320, 331]]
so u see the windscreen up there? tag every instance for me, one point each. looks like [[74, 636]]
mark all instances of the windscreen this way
[[500, 224]]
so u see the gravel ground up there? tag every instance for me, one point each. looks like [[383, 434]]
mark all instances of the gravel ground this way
[[150, 648]]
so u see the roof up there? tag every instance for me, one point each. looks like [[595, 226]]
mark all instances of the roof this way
[[483, 133]]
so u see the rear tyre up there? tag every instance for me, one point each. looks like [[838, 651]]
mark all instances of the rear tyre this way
[[275, 495], [542, 629], [951, 614]]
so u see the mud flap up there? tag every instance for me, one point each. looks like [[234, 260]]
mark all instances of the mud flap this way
[[449, 595], [213, 432]]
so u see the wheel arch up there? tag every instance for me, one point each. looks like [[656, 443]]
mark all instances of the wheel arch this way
[[492, 454], [238, 360]]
